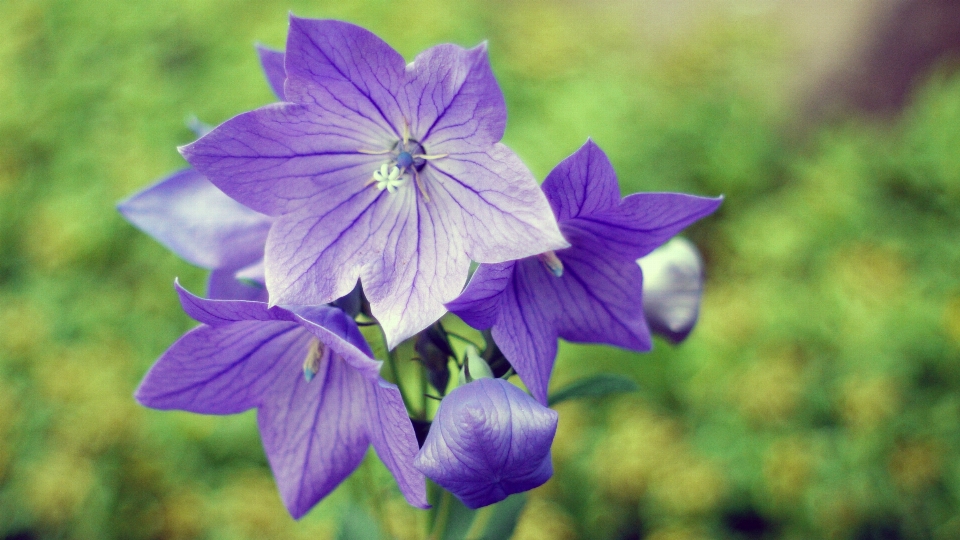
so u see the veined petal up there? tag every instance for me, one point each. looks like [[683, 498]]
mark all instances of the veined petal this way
[[583, 183], [504, 215], [271, 61], [278, 158], [346, 71], [526, 330], [479, 304], [316, 257], [394, 440], [452, 95], [194, 219], [224, 369], [314, 433], [644, 221], [422, 266], [221, 312]]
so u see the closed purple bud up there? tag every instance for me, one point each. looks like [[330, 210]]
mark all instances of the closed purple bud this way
[[488, 440]]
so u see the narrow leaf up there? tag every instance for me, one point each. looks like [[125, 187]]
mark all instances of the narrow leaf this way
[[596, 386]]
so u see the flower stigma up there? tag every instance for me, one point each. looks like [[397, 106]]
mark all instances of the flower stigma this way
[[552, 262], [406, 158], [311, 364]]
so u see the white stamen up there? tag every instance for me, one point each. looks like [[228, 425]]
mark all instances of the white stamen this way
[[388, 178]]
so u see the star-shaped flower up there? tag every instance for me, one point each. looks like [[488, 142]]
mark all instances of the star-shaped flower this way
[[590, 292], [488, 440], [375, 169], [201, 224], [312, 378]]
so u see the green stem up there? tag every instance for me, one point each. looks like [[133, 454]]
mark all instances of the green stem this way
[[442, 516], [392, 362], [463, 339]]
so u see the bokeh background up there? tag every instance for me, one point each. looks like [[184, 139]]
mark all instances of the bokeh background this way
[[819, 396]]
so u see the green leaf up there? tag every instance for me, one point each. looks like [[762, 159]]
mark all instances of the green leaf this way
[[499, 520], [596, 386]]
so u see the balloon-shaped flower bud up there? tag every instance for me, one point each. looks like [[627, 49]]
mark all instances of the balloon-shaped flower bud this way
[[672, 286], [489, 440], [474, 367]]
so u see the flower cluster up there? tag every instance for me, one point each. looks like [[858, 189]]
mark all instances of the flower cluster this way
[[364, 194]]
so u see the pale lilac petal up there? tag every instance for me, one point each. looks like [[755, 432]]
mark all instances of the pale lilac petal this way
[[422, 266], [253, 273], [316, 257], [198, 222], [453, 97], [583, 183], [394, 440], [272, 63], [672, 286], [314, 433], [487, 441], [504, 215], [479, 304], [278, 158], [223, 369], [224, 285], [345, 71]]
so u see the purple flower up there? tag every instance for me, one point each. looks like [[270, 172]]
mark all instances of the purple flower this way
[[672, 286], [488, 440], [381, 171], [319, 398], [590, 292], [201, 224]]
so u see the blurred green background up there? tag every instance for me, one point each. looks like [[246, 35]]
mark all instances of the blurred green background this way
[[819, 396]]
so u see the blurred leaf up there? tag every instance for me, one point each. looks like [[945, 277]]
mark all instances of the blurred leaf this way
[[499, 520], [596, 386], [459, 519], [357, 525]]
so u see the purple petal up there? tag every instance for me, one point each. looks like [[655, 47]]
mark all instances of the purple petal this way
[[503, 214], [672, 286], [221, 312], [272, 63], [316, 257], [314, 433], [422, 266], [526, 330], [388, 423], [394, 440], [198, 222], [488, 440], [254, 273], [223, 369], [479, 304], [452, 96], [583, 183], [346, 71], [281, 157], [644, 221], [224, 285]]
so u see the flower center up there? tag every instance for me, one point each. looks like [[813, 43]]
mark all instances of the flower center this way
[[406, 160]]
